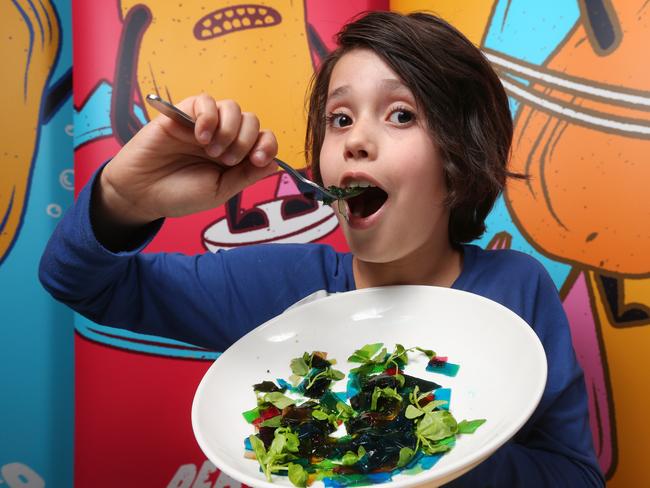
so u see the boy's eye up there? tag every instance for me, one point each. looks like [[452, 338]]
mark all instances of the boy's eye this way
[[401, 116], [339, 120]]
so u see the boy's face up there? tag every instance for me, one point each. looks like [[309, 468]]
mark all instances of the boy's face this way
[[376, 134]]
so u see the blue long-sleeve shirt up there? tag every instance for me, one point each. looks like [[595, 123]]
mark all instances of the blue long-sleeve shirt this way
[[213, 299]]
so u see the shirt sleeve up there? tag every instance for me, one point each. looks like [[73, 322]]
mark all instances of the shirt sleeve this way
[[555, 447], [209, 300]]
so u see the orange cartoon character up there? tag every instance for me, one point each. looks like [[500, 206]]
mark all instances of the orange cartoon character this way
[[30, 45], [583, 136], [257, 54]]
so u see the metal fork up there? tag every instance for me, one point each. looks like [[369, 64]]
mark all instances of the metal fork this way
[[305, 186]]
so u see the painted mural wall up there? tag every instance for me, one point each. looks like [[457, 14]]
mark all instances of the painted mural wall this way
[[580, 97]]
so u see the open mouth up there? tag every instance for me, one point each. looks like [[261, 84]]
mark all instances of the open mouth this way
[[367, 203]]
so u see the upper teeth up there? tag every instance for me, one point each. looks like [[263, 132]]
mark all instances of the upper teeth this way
[[359, 184]]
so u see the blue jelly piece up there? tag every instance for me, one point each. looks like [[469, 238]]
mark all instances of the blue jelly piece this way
[[344, 480], [448, 369], [284, 384], [377, 478], [353, 386], [332, 483], [428, 461], [443, 394], [340, 395]]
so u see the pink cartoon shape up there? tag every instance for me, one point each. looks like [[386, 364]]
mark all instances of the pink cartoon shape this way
[[577, 305]]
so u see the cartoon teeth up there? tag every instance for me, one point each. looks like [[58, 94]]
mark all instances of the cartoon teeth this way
[[231, 19]]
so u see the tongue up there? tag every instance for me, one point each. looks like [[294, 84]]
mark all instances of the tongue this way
[[367, 203]]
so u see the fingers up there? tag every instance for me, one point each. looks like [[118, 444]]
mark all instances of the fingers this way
[[226, 134], [206, 115], [243, 141], [264, 150], [230, 121], [237, 135]]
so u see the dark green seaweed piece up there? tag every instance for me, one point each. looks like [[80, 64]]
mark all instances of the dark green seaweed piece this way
[[295, 415], [369, 383], [319, 362], [317, 388], [266, 435], [381, 443], [267, 387], [343, 193], [423, 385]]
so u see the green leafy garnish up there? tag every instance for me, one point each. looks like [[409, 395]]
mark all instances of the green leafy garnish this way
[[375, 358], [301, 366], [414, 410], [320, 415], [312, 368], [405, 455], [329, 373], [298, 475], [436, 425], [345, 411], [385, 392], [285, 444], [272, 422], [469, 426], [278, 400], [431, 426], [367, 354], [350, 458]]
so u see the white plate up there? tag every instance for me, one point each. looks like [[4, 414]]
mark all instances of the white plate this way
[[501, 378]]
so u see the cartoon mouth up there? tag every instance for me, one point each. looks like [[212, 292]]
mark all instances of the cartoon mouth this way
[[234, 19], [368, 202], [308, 227]]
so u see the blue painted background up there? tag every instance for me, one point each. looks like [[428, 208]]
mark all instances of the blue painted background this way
[[36, 333]]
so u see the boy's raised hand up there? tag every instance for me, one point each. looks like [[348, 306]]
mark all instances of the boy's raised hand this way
[[168, 170]]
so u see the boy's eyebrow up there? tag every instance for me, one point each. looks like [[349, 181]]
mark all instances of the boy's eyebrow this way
[[389, 84], [338, 92]]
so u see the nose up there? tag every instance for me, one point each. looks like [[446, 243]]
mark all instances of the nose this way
[[360, 142]]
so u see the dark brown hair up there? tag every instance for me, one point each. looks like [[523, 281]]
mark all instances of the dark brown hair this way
[[465, 106]]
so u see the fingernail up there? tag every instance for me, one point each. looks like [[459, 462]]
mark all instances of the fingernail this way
[[205, 137], [260, 155], [214, 150], [229, 159]]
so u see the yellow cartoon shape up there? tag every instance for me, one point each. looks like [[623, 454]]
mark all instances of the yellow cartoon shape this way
[[29, 46], [256, 54]]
